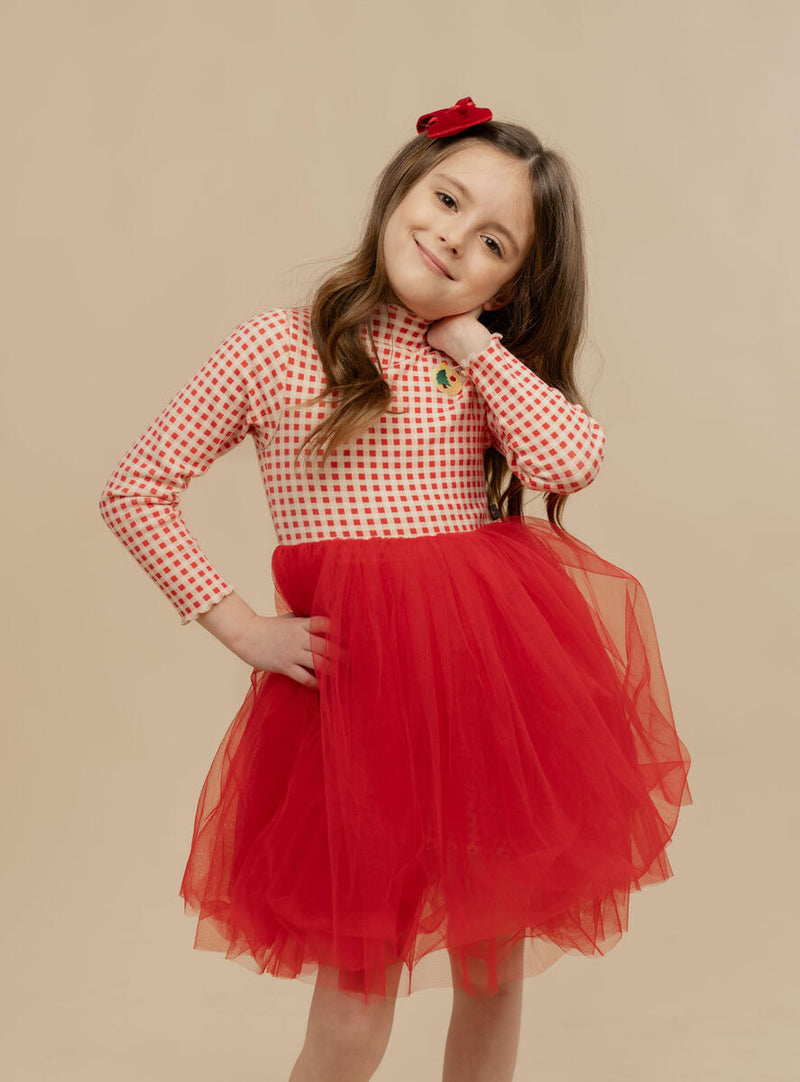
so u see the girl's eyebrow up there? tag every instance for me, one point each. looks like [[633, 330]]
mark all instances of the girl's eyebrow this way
[[466, 195]]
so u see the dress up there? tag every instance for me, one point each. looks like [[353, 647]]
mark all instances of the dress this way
[[490, 764]]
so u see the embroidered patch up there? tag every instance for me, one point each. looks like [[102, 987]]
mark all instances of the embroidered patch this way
[[448, 379]]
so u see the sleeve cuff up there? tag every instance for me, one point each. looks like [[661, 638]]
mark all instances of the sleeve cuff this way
[[188, 616], [496, 336]]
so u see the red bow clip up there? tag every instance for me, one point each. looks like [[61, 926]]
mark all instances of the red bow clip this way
[[464, 114]]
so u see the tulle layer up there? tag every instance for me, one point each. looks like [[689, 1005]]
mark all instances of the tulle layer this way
[[488, 768]]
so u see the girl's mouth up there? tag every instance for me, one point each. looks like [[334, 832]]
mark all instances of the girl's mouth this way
[[430, 261]]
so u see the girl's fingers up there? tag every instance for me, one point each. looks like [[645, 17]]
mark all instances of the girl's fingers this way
[[323, 650], [320, 662], [321, 640], [327, 648], [302, 676]]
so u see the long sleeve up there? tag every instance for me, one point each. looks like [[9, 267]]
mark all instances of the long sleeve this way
[[238, 391], [550, 443]]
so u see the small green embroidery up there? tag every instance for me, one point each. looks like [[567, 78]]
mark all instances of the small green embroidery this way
[[448, 380]]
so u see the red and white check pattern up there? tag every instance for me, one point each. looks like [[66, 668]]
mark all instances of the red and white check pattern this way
[[418, 471]]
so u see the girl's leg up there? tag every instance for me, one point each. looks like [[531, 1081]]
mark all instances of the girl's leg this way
[[483, 1037], [345, 1039]]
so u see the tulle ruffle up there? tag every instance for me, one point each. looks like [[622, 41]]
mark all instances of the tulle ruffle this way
[[489, 768]]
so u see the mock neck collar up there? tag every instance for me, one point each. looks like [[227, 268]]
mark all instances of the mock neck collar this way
[[398, 330]]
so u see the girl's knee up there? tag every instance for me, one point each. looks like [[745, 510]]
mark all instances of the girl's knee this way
[[481, 973], [345, 1022]]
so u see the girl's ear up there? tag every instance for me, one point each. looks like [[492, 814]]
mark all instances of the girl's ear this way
[[499, 300]]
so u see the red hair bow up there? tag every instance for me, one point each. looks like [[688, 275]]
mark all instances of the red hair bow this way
[[464, 114]]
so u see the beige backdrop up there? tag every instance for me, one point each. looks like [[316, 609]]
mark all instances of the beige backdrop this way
[[173, 168]]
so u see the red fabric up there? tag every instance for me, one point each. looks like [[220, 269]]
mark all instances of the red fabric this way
[[457, 118], [489, 767]]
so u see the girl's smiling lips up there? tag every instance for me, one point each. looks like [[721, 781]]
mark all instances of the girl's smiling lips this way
[[433, 261]]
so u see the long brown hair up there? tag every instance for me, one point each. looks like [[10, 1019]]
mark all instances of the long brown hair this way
[[542, 323]]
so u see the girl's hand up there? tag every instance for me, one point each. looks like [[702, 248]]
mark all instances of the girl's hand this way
[[459, 335], [287, 644]]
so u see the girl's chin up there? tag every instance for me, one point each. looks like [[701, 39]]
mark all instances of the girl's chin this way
[[419, 305], [410, 305]]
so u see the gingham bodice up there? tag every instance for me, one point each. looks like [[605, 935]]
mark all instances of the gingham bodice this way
[[418, 470]]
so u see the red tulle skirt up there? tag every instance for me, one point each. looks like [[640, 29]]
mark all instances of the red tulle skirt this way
[[488, 767]]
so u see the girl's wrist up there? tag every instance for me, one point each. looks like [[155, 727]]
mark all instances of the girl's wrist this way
[[228, 620], [468, 341], [459, 336], [472, 341]]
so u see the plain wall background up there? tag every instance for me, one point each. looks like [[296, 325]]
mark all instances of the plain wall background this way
[[173, 168]]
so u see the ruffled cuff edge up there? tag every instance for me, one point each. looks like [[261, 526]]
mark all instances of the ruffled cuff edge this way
[[208, 603]]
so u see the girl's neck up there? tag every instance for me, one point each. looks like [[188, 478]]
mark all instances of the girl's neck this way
[[397, 327]]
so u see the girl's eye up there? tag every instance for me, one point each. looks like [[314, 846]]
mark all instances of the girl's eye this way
[[497, 249]]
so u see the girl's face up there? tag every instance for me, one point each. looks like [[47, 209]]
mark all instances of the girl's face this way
[[472, 212]]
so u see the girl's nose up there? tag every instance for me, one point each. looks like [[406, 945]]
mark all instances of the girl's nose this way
[[452, 241]]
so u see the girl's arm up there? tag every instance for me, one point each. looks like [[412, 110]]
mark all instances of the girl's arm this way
[[550, 443], [237, 391], [229, 620]]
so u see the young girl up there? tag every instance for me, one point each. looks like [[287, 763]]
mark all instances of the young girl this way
[[457, 756]]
